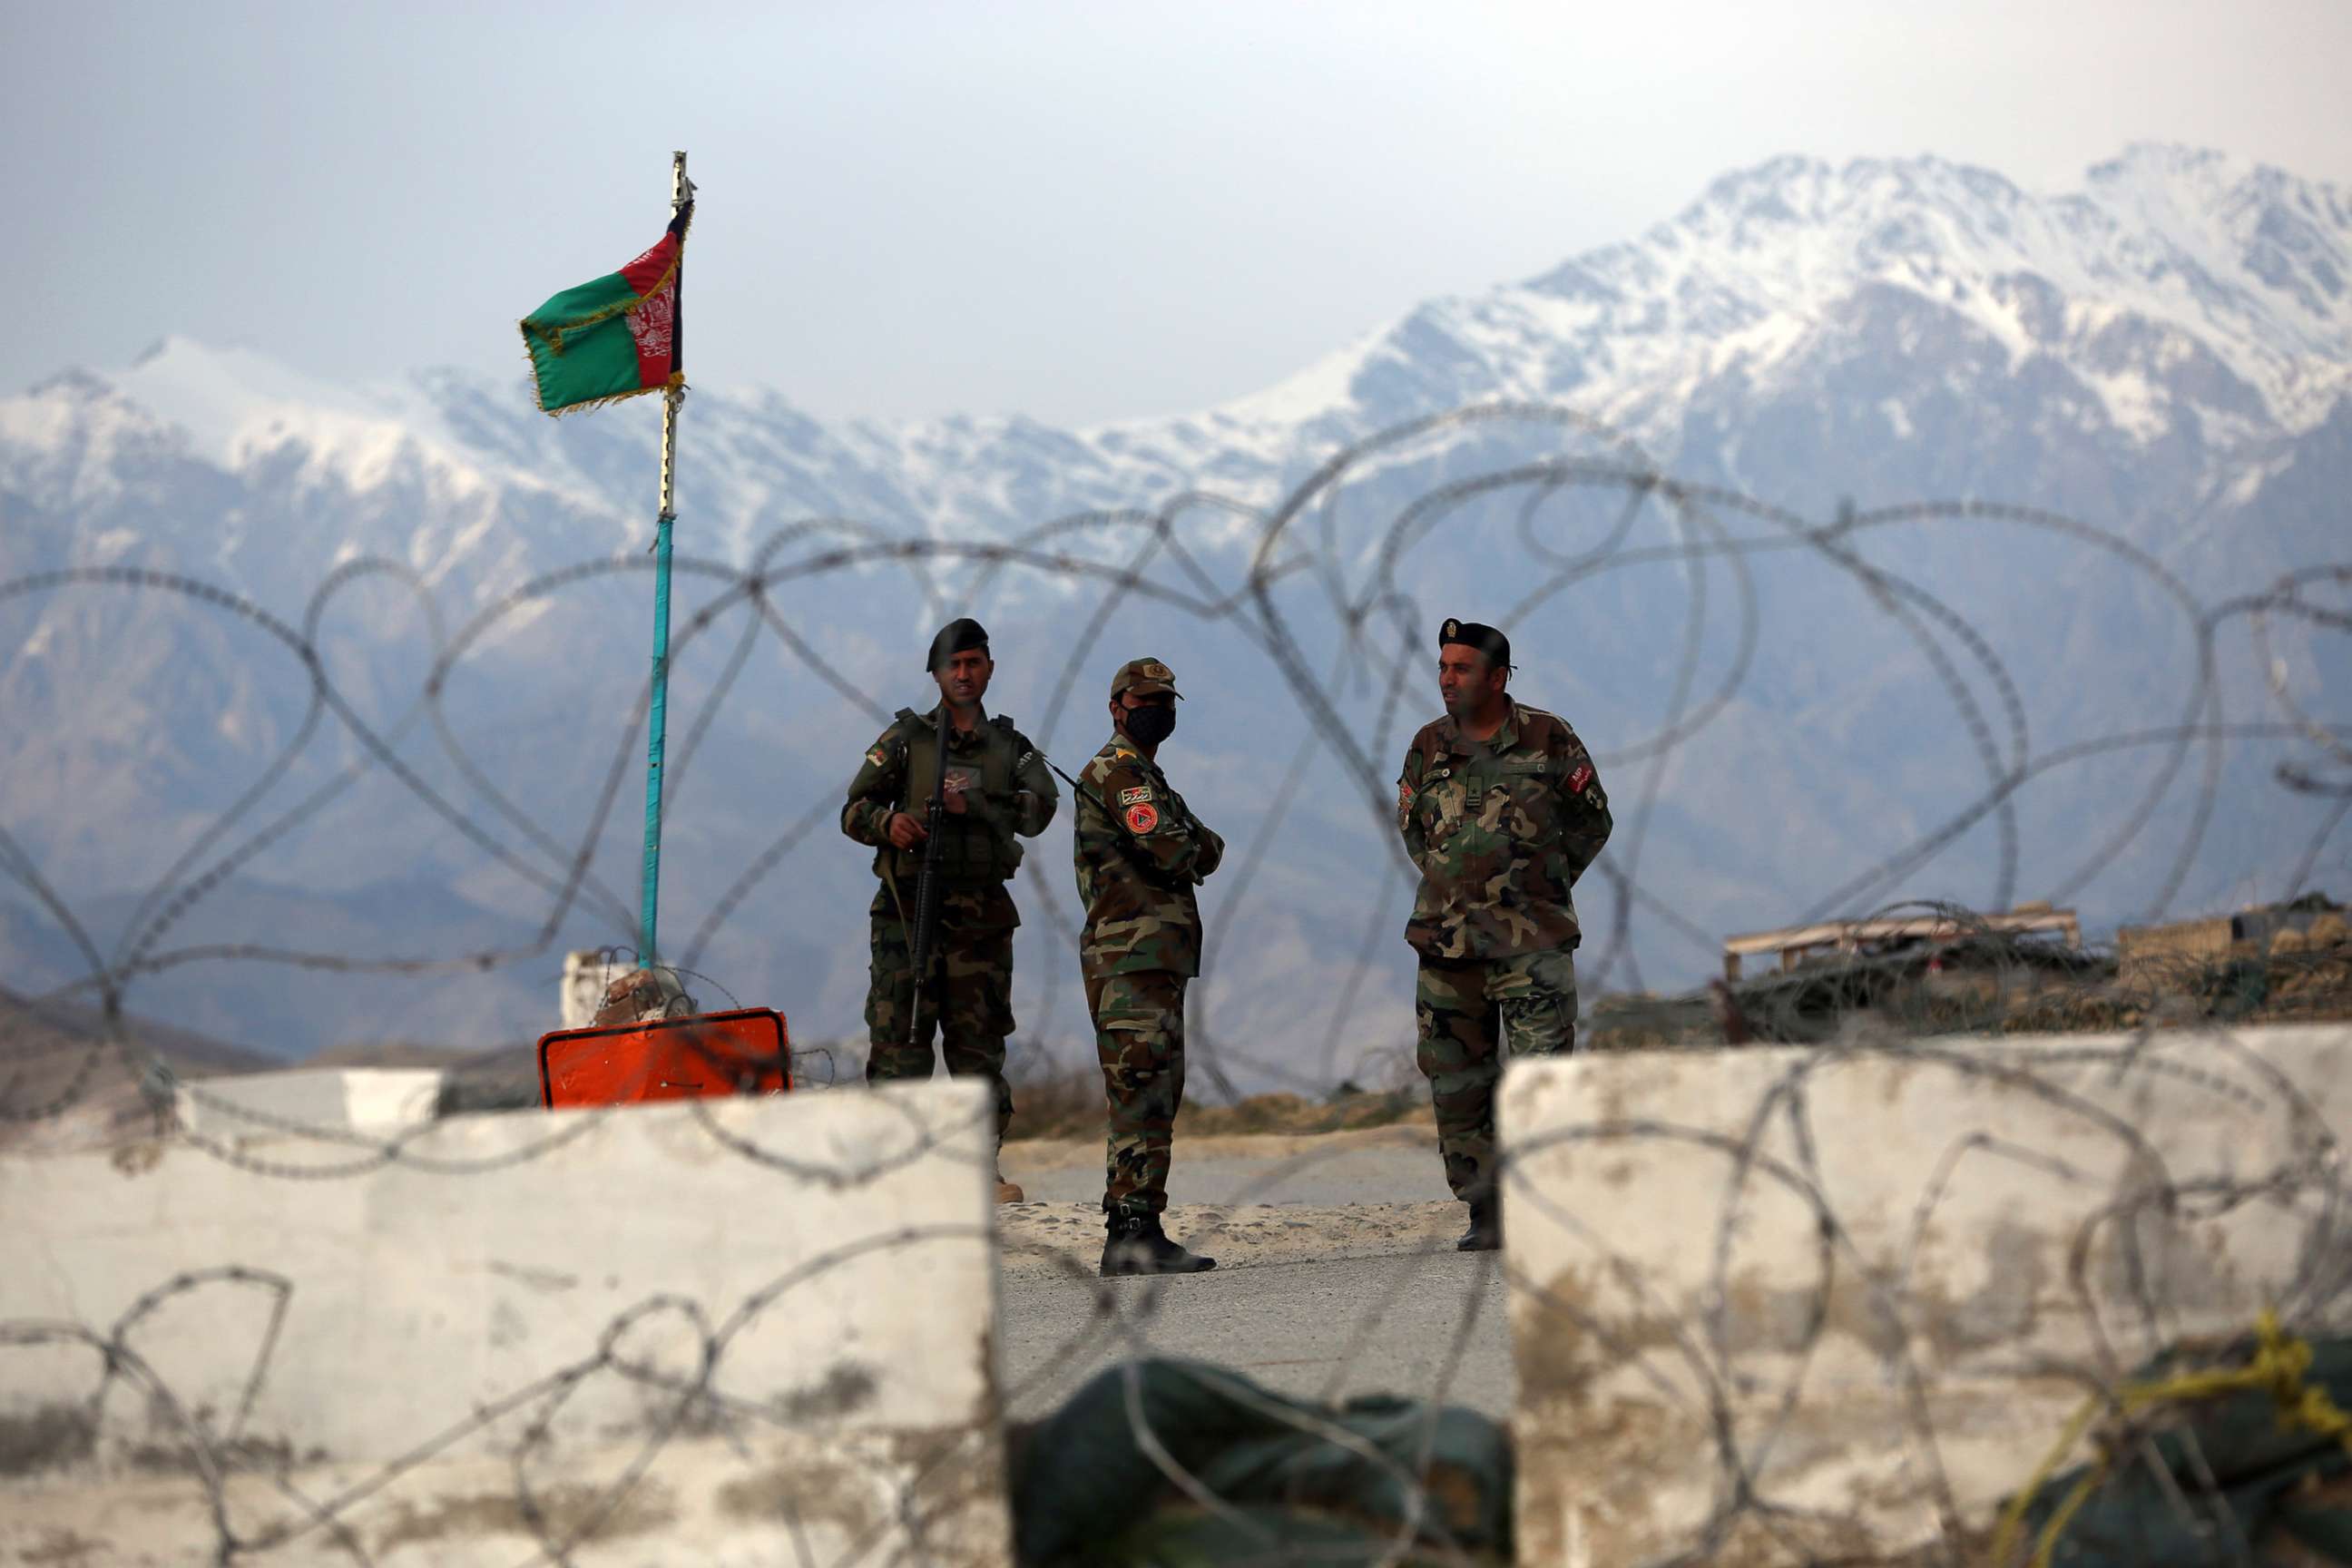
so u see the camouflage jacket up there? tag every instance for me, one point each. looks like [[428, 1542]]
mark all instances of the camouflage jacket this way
[[1501, 832], [982, 852], [1140, 852]]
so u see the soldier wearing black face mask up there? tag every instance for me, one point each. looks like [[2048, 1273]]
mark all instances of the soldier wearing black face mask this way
[[1139, 853]]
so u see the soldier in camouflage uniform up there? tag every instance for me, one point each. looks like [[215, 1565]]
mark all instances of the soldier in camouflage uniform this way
[[1140, 852], [1501, 810], [997, 786]]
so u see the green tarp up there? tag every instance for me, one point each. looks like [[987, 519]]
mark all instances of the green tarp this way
[[1337, 1485]]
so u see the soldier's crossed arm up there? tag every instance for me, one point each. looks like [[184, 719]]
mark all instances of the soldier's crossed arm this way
[[1161, 839], [1212, 849], [874, 792]]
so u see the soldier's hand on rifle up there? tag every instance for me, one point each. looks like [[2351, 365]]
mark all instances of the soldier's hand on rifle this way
[[906, 831]]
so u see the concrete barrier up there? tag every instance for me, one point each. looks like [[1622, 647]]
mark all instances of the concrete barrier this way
[[324, 1100], [1772, 1306], [725, 1331]]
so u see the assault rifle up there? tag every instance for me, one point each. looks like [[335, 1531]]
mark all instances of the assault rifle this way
[[1082, 791], [927, 884]]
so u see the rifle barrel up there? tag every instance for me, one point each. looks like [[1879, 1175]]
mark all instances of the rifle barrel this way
[[927, 883]]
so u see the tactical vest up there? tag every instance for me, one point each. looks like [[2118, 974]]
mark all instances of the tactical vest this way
[[970, 849]]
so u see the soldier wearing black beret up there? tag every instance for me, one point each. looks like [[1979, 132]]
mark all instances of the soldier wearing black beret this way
[[997, 786], [1501, 810]]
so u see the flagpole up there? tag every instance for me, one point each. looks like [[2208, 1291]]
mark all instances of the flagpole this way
[[657, 716]]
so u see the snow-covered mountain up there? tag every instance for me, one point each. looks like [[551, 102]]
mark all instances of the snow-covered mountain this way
[[2164, 355]]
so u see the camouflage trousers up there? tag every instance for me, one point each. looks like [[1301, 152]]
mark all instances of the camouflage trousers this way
[[1469, 1011], [969, 1002], [1139, 1036]]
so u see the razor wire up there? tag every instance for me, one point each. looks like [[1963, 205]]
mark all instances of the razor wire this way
[[1973, 979]]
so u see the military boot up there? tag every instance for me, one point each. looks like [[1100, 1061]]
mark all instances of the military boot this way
[[1008, 1192], [1486, 1232], [1133, 1243]]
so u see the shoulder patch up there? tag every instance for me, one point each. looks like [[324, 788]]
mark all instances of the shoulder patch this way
[[1141, 819], [1135, 796], [878, 756], [1579, 778], [1404, 802]]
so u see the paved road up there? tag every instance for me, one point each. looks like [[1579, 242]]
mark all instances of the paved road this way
[[1337, 1274], [1423, 1324], [1373, 1165]]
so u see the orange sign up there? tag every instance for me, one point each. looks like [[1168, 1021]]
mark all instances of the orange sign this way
[[706, 1056]]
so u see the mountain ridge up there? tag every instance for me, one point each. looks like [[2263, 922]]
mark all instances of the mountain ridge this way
[[1630, 330]]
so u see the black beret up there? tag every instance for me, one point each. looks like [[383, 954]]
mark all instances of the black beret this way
[[957, 636], [1473, 633]]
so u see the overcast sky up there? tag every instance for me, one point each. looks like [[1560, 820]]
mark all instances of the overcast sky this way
[[1076, 212]]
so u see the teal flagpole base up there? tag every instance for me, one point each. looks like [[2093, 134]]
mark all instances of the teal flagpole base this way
[[657, 734]]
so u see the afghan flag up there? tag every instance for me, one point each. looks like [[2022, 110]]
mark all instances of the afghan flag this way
[[613, 337]]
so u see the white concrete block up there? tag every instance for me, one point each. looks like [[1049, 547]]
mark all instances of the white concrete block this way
[[586, 973], [323, 1100], [1876, 1284], [719, 1332]]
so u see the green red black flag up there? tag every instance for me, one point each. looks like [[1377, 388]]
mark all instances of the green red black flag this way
[[616, 336]]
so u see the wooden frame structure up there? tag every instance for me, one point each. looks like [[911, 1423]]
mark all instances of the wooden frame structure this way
[[1793, 943]]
